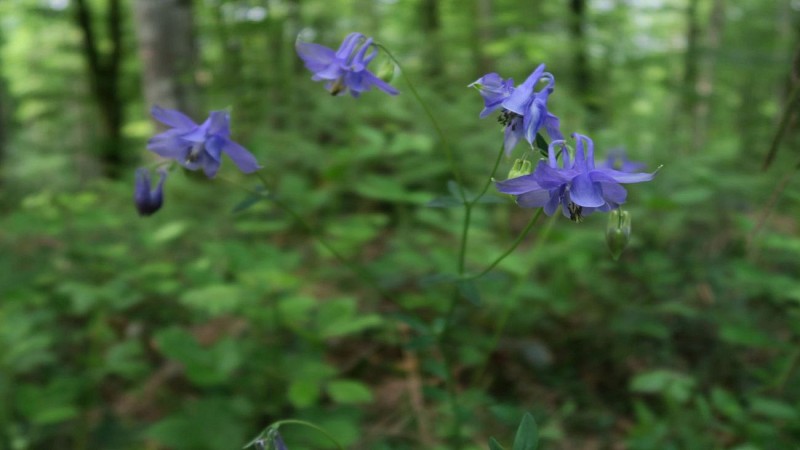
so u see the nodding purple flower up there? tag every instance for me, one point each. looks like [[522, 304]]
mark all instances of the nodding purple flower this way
[[199, 146], [524, 110], [273, 441], [345, 69], [577, 185], [278, 442], [148, 201]]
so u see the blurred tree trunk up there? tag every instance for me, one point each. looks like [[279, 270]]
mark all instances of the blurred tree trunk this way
[[481, 35], [291, 64], [168, 53], [5, 118], [104, 69], [580, 56], [278, 76], [704, 86], [430, 22], [688, 97]]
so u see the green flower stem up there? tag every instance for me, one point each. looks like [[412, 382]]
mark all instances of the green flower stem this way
[[462, 251], [514, 245], [303, 423], [506, 313], [445, 143], [491, 177]]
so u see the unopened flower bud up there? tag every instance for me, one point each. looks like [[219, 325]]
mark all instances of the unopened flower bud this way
[[386, 71], [148, 201], [618, 232], [521, 167]]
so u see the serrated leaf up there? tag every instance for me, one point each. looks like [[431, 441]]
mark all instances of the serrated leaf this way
[[527, 437]]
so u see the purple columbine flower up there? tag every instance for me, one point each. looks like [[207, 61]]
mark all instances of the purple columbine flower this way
[[524, 110], [278, 442], [199, 146], [148, 201], [346, 68], [577, 185]]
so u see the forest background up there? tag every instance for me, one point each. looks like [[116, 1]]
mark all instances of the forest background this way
[[200, 325]]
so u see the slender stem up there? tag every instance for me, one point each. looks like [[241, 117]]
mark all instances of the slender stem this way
[[277, 425], [506, 313], [462, 252], [514, 245], [445, 143], [491, 176]]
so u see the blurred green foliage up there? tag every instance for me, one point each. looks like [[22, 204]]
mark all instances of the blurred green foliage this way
[[197, 327]]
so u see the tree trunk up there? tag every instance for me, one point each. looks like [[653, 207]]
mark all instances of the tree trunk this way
[[690, 63], [580, 56], [431, 24], [104, 71], [704, 86], [481, 36], [5, 118], [168, 53]]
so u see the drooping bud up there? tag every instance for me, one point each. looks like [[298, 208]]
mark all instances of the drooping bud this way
[[148, 201], [521, 167], [618, 232], [386, 71]]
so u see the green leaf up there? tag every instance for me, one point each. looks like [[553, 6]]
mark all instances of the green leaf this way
[[203, 425], [452, 186], [726, 403], [214, 299], [303, 393], [444, 202], [469, 291], [388, 189], [349, 391], [169, 231], [541, 144], [436, 279], [673, 385], [204, 366], [250, 200], [527, 437], [340, 317], [494, 445], [773, 409]]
